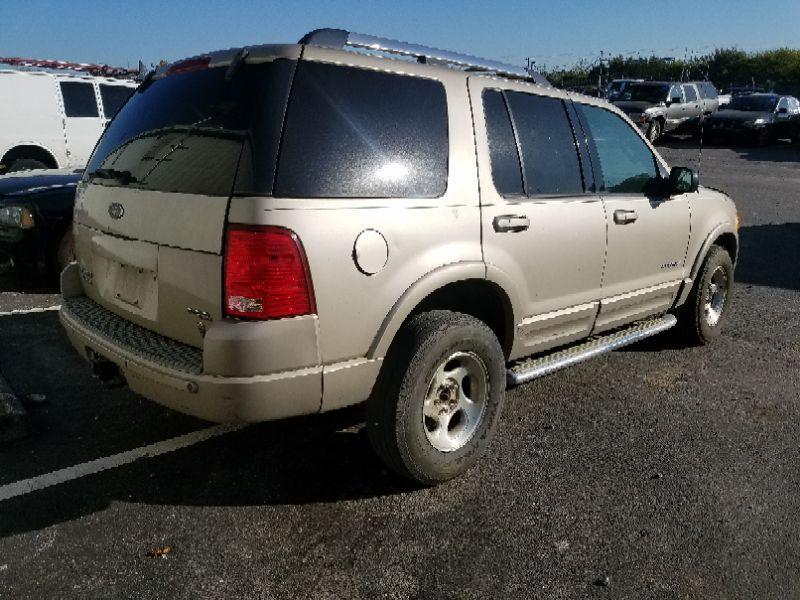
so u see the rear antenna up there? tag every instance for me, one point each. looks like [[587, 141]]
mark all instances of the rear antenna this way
[[702, 137]]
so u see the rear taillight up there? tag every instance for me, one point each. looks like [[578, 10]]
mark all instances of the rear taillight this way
[[266, 274]]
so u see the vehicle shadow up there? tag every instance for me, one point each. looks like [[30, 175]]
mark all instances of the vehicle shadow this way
[[769, 255], [316, 459], [26, 284]]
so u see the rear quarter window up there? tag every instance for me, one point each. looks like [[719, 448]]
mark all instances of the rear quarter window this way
[[79, 99], [113, 97], [358, 133]]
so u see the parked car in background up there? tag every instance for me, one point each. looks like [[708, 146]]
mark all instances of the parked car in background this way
[[36, 219], [758, 118], [661, 107], [53, 120], [340, 226], [617, 87]]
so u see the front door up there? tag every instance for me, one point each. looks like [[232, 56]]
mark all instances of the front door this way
[[648, 233], [543, 229], [676, 109], [82, 123]]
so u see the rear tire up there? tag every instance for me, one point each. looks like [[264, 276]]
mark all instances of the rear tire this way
[[706, 309], [438, 398], [25, 164], [64, 252]]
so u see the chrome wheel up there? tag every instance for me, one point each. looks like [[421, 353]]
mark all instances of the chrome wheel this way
[[654, 132], [716, 296], [456, 401]]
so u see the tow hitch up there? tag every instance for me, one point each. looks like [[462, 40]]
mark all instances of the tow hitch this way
[[106, 371]]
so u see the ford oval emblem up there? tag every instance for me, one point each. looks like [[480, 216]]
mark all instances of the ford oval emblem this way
[[116, 210]]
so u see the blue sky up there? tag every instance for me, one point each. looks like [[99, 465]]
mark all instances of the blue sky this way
[[554, 33]]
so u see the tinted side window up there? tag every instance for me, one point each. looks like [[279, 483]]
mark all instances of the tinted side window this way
[[503, 151], [356, 133], [691, 96], [113, 97], [547, 145], [79, 99], [626, 163]]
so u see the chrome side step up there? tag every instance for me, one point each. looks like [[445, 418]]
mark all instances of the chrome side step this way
[[526, 369]]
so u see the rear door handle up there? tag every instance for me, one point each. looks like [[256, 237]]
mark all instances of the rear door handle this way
[[511, 223], [623, 217]]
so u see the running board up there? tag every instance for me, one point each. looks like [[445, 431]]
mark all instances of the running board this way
[[527, 369]]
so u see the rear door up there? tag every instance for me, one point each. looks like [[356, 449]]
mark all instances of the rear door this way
[[82, 123], [648, 233], [151, 209], [543, 226]]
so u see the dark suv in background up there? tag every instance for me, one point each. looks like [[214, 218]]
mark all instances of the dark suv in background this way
[[660, 107]]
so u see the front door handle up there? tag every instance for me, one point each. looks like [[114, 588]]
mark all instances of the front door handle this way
[[623, 217], [511, 223]]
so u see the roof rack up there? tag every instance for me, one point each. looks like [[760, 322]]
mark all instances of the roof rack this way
[[339, 38]]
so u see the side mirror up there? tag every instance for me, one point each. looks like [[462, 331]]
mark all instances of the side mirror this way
[[683, 180]]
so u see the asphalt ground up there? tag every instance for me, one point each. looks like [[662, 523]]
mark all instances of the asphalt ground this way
[[655, 472]]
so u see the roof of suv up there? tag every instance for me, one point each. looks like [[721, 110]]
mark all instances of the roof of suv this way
[[345, 41]]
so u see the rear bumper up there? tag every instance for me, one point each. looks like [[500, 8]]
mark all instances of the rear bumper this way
[[180, 384]]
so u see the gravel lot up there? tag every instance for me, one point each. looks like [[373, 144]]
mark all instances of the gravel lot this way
[[655, 472]]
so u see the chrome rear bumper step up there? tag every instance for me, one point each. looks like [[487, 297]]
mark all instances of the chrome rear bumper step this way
[[527, 369]]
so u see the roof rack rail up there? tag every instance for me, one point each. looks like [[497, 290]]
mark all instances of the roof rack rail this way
[[339, 38]]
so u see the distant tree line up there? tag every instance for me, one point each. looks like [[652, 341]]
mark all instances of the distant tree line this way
[[773, 70]]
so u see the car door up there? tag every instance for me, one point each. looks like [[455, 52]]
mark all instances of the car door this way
[[783, 118], [676, 110], [543, 227], [82, 123], [648, 233], [693, 106]]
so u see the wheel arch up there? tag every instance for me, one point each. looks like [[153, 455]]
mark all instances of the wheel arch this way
[[32, 151], [461, 287], [723, 235]]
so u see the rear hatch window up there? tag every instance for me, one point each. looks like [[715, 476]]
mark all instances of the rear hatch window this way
[[186, 132]]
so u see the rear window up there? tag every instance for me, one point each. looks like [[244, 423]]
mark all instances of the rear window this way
[[357, 133], [79, 99], [186, 132], [113, 97]]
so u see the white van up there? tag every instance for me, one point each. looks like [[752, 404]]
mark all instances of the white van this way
[[53, 120]]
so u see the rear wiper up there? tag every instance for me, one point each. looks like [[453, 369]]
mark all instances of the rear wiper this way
[[124, 177]]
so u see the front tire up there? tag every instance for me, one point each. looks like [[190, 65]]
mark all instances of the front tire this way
[[702, 316], [654, 131], [438, 398]]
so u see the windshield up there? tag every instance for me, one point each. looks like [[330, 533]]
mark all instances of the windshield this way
[[187, 131], [645, 93], [753, 103]]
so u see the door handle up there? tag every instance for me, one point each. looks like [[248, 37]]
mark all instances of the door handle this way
[[511, 223], [623, 217]]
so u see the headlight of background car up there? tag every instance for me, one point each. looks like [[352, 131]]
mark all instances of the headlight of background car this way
[[16, 216], [756, 123]]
